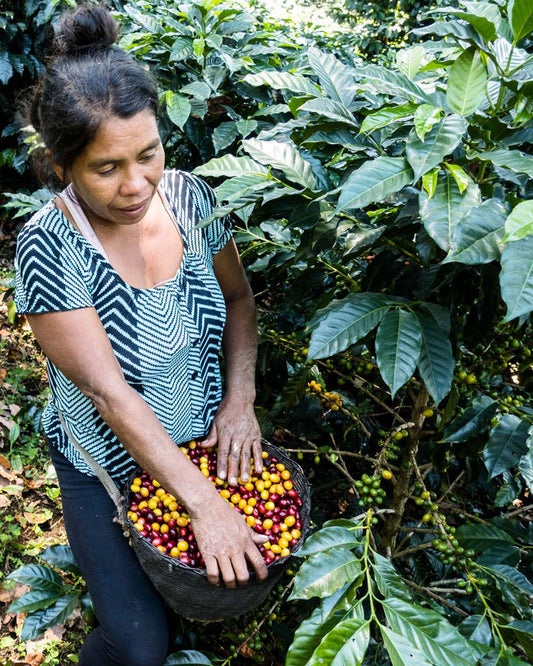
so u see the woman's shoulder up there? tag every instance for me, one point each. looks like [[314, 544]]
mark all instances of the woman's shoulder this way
[[47, 223], [184, 185]]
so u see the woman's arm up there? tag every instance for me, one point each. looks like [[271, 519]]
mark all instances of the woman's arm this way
[[235, 428], [76, 343]]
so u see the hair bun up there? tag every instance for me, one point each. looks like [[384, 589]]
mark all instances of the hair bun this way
[[88, 29]]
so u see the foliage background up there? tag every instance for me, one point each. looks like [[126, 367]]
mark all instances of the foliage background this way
[[380, 182]]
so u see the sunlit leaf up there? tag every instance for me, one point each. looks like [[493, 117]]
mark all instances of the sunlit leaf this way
[[336, 79], [516, 277], [329, 537], [478, 238], [284, 156], [519, 224], [439, 142], [325, 572], [467, 83], [520, 13]]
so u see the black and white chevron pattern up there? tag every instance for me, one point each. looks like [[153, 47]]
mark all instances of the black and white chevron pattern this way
[[167, 339]]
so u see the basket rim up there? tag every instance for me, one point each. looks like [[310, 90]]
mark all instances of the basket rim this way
[[176, 562]]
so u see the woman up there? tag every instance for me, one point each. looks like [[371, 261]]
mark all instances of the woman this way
[[127, 298]]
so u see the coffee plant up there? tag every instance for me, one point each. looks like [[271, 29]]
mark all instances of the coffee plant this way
[[384, 211]]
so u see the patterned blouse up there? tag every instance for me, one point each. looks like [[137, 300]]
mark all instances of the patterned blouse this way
[[166, 338]]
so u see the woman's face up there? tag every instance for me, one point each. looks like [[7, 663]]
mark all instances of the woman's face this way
[[117, 174]]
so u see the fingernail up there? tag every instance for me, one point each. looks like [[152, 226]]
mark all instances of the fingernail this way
[[233, 481], [222, 475]]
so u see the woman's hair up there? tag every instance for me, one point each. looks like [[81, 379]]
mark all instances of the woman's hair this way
[[88, 81]]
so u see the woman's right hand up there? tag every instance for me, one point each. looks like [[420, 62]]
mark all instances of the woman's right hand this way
[[226, 543]]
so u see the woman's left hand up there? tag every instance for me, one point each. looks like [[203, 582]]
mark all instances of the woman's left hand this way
[[236, 432]]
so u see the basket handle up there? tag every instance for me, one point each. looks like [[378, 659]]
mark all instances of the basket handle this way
[[101, 473]]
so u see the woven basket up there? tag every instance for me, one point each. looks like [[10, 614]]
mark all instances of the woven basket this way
[[187, 590]]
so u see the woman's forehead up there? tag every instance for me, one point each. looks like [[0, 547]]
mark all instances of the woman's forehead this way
[[117, 136]]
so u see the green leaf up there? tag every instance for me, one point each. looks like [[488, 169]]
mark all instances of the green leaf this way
[[520, 13], [344, 322], [283, 81], [426, 116], [240, 187], [522, 631], [391, 83], [482, 537], [38, 576], [516, 277], [373, 182], [246, 127], [387, 115], [388, 580], [229, 165], [429, 181], [32, 601], [344, 645], [519, 224], [178, 108], [197, 89], [473, 421], [38, 622], [477, 238], [409, 60], [467, 83], [443, 212], [330, 109], [329, 537], [439, 640], [436, 362], [324, 573], [308, 636], [61, 557], [282, 156], [506, 445], [484, 17], [187, 658], [401, 651], [459, 175], [398, 343], [224, 135], [512, 159], [336, 79], [526, 462], [441, 141], [516, 578]]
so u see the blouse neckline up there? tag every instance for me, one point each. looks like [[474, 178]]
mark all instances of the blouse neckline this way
[[98, 249]]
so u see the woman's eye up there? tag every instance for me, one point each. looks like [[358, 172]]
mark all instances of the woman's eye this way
[[147, 158], [107, 172]]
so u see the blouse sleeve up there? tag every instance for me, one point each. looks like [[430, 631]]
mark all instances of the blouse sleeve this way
[[219, 231], [49, 274]]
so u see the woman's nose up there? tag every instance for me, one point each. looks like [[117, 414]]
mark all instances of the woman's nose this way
[[133, 183]]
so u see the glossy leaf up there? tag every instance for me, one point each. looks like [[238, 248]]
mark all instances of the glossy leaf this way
[[526, 462], [467, 83], [330, 109], [401, 651], [344, 645], [336, 79], [520, 13], [429, 182], [409, 60], [389, 82], [308, 636], [506, 445], [61, 557], [329, 537], [39, 621], [344, 322], [187, 658], [386, 115], [459, 175], [283, 156], [178, 108], [484, 17], [224, 135], [241, 186], [482, 537], [38, 576], [283, 81], [473, 421], [373, 182], [32, 601], [229, 165], [388, 579], [478, 238], [398, 341], [516, 277], [439, 640], [324, 573], [426, 116], [439, 142], [436, 362], [512, 159], [519, 224], [443, 212], [514, 577]]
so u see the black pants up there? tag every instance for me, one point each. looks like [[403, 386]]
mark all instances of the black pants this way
[[133, 628]]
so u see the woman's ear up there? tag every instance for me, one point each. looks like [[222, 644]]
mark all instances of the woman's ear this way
[[59, 171]]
